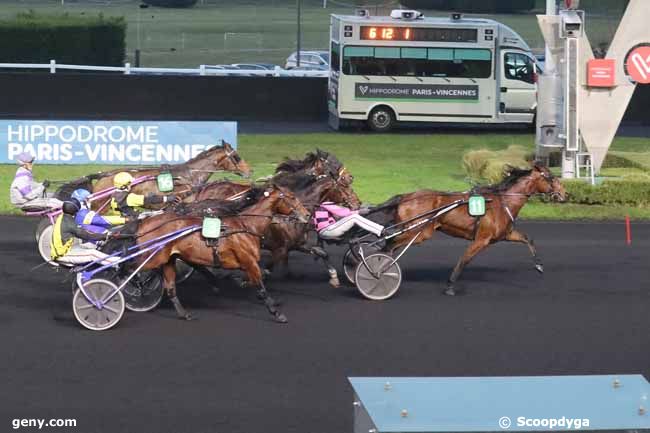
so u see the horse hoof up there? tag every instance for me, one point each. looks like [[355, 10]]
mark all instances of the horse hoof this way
[[281, 318], [334, 282], [449, 292], [186, 316], [539, 268]]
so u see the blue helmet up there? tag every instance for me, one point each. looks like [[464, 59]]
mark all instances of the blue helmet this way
[[80, 194]]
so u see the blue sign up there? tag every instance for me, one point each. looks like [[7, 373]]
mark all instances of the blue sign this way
[[111, 142]]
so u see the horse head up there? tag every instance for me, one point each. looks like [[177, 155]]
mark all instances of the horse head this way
[[286, 203], [546, 183], [221, 158]]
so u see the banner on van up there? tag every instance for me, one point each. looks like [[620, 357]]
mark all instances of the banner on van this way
[[111, 142], [419, 92]]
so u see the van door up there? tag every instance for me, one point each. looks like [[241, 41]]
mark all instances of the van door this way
[[518, 87]]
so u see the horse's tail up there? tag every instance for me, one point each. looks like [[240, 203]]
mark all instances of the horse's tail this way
[[86, 182]]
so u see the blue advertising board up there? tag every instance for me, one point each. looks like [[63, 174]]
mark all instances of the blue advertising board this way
[[111, 142]]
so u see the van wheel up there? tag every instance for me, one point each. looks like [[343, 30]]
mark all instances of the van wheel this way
[[381, 119]]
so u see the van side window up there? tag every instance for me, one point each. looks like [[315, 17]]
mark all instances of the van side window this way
[[519, 67], [335, 56], [417, 62]]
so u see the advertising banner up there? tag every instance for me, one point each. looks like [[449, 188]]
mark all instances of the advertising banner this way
[[111, 142], [417, 92]]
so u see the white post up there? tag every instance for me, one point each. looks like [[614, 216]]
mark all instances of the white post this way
[[202, 70], [551, 9], [127, 69], [52, 66], [324, 4]]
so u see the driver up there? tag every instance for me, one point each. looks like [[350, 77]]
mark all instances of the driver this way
[[91, 220], [65, 245], [25, 192], [124, 201], [334, 221]]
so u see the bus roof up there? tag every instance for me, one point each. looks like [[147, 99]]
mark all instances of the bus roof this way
[[427, 21]]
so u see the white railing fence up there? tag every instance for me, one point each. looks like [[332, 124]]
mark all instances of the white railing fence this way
[[202, 70]]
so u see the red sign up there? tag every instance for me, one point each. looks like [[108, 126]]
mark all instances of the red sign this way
[[601, 73], [637, 64]]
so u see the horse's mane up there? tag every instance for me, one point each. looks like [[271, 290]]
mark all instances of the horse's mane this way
[[203, 154], [293, 181], [86, 182], [513, 175], [218, 207], [295, 165]]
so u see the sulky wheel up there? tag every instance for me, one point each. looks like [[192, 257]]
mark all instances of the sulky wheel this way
[[42, 225], [183, 271], [350, 263], [381, 279], [144, 292], [45, 245], [92, 317]]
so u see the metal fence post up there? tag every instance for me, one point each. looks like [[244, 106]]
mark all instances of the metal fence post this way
[[52, 66], [202, 70], [127, 69]]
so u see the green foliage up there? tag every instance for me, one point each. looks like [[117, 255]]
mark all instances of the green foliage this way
[[66, 38], [475, 6], [488, 166], [628, 191]]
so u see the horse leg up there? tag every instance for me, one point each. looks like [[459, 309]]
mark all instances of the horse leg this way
[[169, 281], [208, 276], [254, 273], [472, 250], [320, 253], [517, 236], [280, 262]]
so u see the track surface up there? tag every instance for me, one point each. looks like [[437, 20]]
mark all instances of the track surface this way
[[233, 370]]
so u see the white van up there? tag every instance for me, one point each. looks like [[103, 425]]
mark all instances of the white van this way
[[405, 67]]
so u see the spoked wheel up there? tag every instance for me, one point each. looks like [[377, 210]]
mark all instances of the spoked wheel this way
[[45, 245], [42, 225], [96, 318], [381, 279], [350, 263], [183, 271], [144, 292]]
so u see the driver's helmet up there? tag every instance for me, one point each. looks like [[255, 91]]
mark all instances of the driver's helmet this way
[[122, 180], [80, 195], [71, 207]]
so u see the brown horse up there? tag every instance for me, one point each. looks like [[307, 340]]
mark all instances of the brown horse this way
[[504, 201], [189, 174], [284, 236], [237, 248]]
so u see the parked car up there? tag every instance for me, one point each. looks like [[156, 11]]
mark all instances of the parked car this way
[[317, 60]]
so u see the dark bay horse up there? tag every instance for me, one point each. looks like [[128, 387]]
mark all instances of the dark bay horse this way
[[284, 235], [194, 172], [504, 201], [237, 248]]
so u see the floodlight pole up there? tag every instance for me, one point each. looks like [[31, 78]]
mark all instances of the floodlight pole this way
[[551, 9], [298, 17]]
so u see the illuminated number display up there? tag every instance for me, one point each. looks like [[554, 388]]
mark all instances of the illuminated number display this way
[[382, 33]]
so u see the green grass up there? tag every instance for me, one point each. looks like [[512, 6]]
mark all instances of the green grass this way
[[383, 165], [229, 31]]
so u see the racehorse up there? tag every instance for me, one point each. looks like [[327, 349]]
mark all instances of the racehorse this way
[[503, 203], [192, 173], [237, 248], [284, 236], [316, 163]]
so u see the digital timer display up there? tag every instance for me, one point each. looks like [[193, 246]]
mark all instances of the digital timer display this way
[[383, 33]]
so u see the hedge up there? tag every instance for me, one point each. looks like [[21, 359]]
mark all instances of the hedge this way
[[627, 192], [500, 6], [73, 39]]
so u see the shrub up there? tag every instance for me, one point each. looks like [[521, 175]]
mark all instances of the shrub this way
[[76, 39], [628, 191], [488, 166]]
